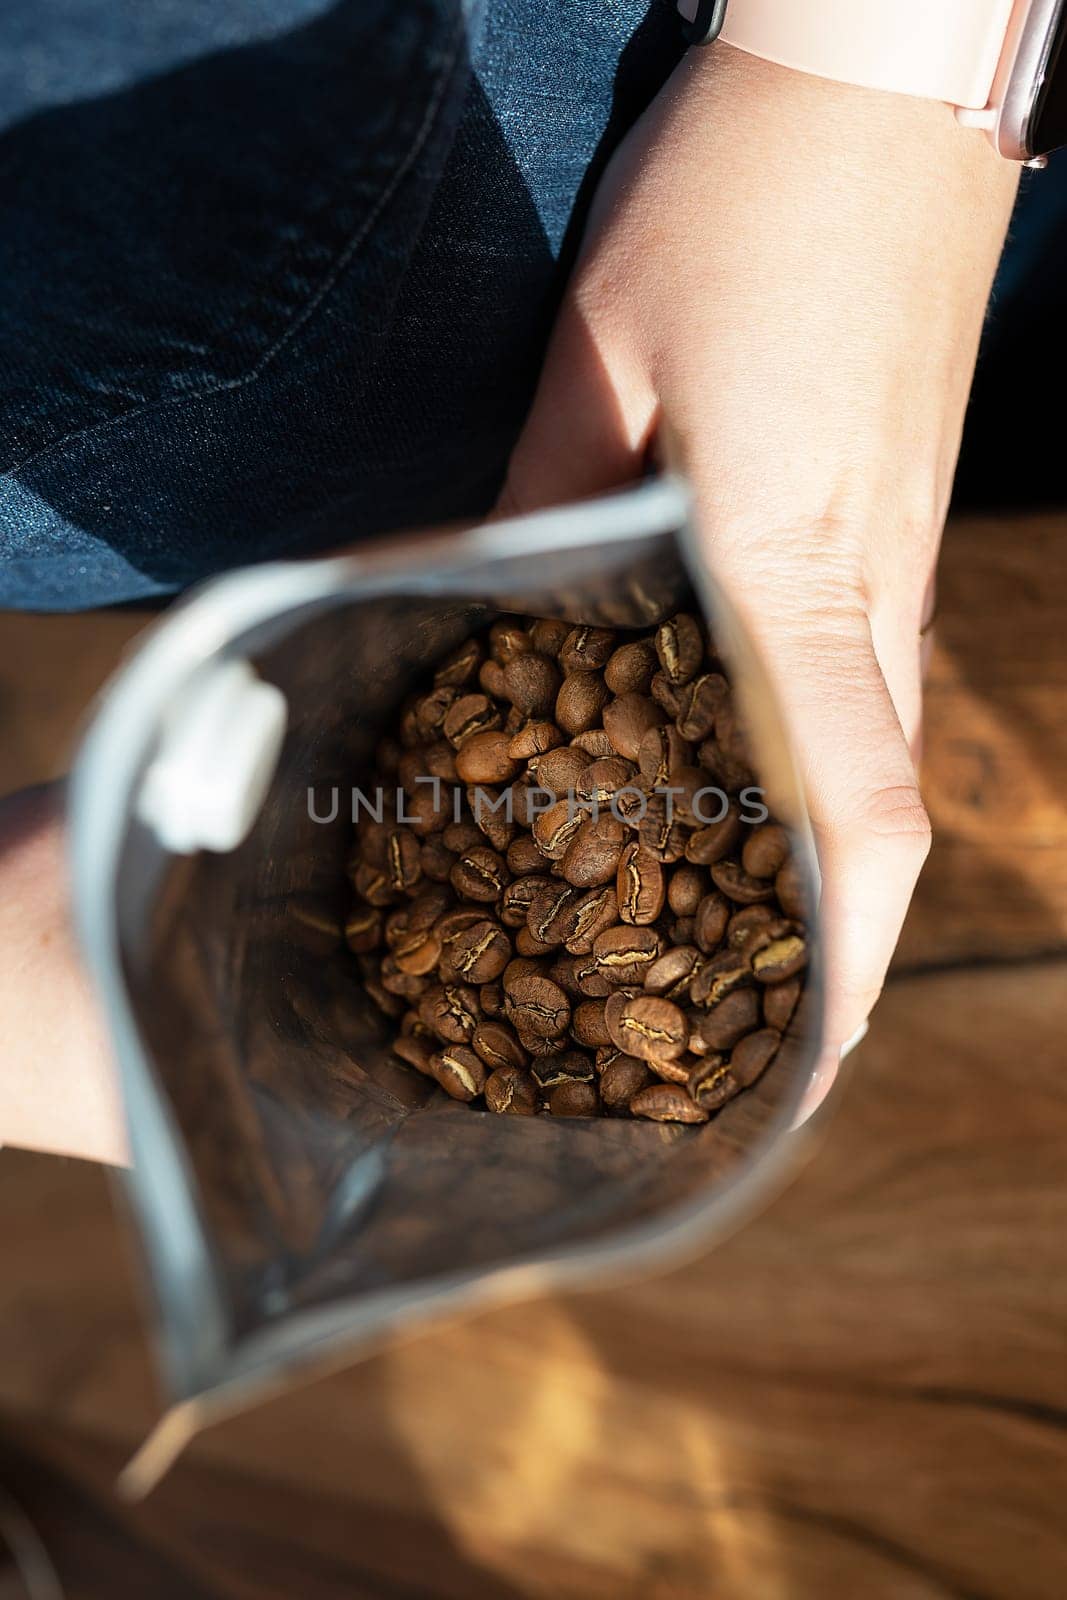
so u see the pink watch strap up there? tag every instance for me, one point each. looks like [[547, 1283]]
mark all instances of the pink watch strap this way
[[939, 49]]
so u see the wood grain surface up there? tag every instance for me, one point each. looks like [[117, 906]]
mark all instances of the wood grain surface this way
[[863, 1394]]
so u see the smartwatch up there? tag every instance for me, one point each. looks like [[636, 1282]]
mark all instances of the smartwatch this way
[[1001, 63]]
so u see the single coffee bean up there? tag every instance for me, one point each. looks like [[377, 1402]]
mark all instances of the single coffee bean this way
[[591, 915], [679, 647], [595, 743], [630, 668], [666, 1102], [481, 953], [669, 696], [497, 1044], [508, 639], [562, 972], [436, 859], [753, 1054], [738, 885], [592, 981], [639, 885], [712, 1083], [703, 701], [745, 923], [766, 850], [586, 648], [462, 836], [792, 892], [531, 683], [647, 1026], [592, 857], [661, 832], [492, 998], [602, 780], [686, 887], [550, 917], [720, 976], [417, 960], [519, 895], [491, 808], [711, 844], [780, 958], [709, 924], [621, 1079], [574, 1100], [491, 678], [480, 874], [588, 1026], [510, 1092], [534, 738], [581, 701], [431, 709], [363, 929], [451, 1011], [528, 944], [438, 760], [538, 1048], [392, 1005], [411, 986], [564, 1066], [780, 1002], [560, 771], [461, 665], [416, 1050], [520, 967], [548, 636], [661, 756], [451, 923], [627, 720], [459, 1071], [672, 973], [429, 809], [470, 714], [483, 758], [537, 1005], [683, 931], [555, 828], [724, 770], [372, 885], [734, 1016], [624, 954], [523, 857], [402, 860]]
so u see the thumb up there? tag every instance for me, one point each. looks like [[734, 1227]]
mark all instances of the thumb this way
[[589, 425]]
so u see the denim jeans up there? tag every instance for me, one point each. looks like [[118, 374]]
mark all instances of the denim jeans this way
[[278, 274]]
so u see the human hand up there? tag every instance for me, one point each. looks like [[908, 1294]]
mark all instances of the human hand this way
[[794, 273]]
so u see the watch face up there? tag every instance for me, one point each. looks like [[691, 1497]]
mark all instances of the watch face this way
[[1048, 122]]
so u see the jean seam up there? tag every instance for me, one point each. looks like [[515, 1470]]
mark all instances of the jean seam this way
[[307, 312]]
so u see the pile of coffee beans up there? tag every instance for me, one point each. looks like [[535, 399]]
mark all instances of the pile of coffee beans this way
[[569, 896]]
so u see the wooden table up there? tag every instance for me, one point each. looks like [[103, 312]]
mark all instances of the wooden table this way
[[862, 1395]]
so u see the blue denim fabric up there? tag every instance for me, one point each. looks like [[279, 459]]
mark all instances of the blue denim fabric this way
[[278, 274]]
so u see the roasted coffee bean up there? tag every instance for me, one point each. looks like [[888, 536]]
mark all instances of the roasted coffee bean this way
[[639, 885], [588, 1026], [539, 1048], [484, 758], [519, 896], [779, 1003], [438, 760], [562, 971], [431, 709], [480, 953], [595, 743], [491, 809], [627, 720], [537, 1005], [510, 1092], [667, 1102], [752, 1055], [548, 636], [452, 922], [621, 1079], [498, 1045], [679, 647], [602, 780], [661, 832], [647, 1026], [739, 885], [429, 809], [673, 972], [520, 967], [630, 668], [781, 957], [766, 850], [534, 738], [462, 836], [528, 944], [551, 913], [712, 843], [745, 923], [563, 1066], [420, 958], [461, 665], [709, 923], [459, 1071], [480, 874], [666, 694], [508, 639], [728, 1021], [581, 702], [555, 828], [390, 1004], [712, 1083], [491, 678], [661, 755], [720, 976], [593, 912], [492, 998], [586, 648], [451, 1011], [592, 857], [402, 866], [791, 891], [702, 703], [531, 683], [363, 929], [524, 857], [723, 769], [410, 986], [560, 771], [624, 954], [436, 859], [387, 755], [372, 884], [470, 714], [686, 887], [574, 1100], [683, 931], [416, 1050]]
